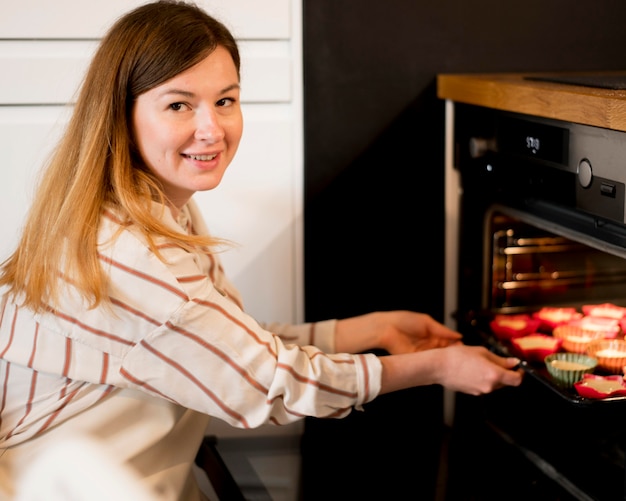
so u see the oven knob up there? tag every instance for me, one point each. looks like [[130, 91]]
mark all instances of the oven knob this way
[[585, 174]]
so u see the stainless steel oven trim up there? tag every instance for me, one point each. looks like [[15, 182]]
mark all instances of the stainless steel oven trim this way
[[452, 191]]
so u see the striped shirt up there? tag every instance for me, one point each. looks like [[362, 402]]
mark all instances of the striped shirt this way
[[175, 339]]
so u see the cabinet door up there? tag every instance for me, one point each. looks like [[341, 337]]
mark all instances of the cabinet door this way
[[27, 134], [251, 19], [255, 206], [50, 72]]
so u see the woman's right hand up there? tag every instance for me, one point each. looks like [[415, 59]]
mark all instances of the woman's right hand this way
[[476, 370], [468, 369]]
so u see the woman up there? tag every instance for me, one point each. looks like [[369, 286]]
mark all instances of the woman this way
[[117, 320]]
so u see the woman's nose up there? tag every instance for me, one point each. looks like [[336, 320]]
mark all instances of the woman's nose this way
[[208, 127]]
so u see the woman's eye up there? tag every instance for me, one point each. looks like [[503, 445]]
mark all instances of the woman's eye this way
[[227, 101], [177, 106]]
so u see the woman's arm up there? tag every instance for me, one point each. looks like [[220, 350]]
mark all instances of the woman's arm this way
[[414, 341], [396, 332]]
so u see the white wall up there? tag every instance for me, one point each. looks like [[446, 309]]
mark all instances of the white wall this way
[[44, 49]]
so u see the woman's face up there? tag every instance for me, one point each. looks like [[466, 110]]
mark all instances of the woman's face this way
[[188, 128]]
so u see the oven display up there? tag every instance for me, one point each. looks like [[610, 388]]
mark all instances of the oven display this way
[[532, 140]]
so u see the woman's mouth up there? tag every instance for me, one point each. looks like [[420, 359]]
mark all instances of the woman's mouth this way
[[203, 158]]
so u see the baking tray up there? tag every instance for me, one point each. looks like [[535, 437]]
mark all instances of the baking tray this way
[[479, 324], [538, 371]]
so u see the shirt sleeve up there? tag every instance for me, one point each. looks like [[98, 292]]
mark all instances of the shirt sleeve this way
[[176, 330], [320, 334], [210, 356]]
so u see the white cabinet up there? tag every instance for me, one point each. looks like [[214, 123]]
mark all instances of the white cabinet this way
[[44, 50], [50, 72], [89, 19]]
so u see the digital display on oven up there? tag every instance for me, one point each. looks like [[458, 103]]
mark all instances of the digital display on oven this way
[[533, 140]]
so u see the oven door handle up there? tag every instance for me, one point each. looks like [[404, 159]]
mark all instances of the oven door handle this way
[[523, 365]]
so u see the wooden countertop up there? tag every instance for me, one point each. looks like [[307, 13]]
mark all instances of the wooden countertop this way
[[513, 92]]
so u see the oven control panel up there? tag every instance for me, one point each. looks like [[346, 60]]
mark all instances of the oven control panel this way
[[579, 166]]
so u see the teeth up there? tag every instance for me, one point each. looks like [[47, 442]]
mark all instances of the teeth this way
[[202, 157]]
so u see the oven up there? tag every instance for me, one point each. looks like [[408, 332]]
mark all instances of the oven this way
[[535, 216]]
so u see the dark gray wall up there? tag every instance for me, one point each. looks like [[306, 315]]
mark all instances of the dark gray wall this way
[[374, 179], [374, 128]]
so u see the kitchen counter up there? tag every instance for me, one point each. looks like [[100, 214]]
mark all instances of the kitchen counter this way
[[585, 103]]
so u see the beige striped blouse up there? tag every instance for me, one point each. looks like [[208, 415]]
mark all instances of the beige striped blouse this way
[[176, 337]]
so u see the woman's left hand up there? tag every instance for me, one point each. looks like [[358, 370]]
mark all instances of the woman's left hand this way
[[396, 332]]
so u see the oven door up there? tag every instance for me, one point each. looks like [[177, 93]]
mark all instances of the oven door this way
[[511, 252]]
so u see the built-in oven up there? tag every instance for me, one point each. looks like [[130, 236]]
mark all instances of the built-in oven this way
[[535, 217]]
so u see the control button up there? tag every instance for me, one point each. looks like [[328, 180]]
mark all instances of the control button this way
[[608, 189], [585, 174]]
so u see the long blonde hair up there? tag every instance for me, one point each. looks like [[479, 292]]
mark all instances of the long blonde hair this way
[[97, 162]]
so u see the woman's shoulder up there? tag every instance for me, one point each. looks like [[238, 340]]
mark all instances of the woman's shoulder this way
[[122, 244], [114, 223]]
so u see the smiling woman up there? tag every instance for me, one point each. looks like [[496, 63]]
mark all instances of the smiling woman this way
[[188, 128], [117, 318]]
